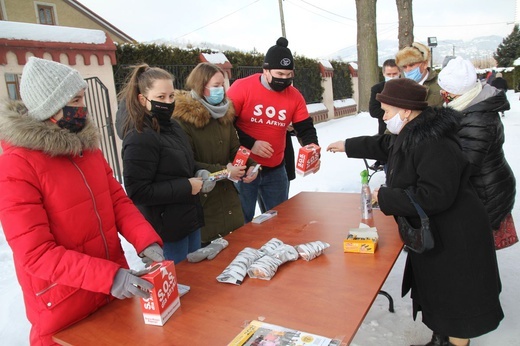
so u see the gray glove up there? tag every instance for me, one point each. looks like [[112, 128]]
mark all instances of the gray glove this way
[[207, 185], [127, 285], [153, 253], [209, 252]]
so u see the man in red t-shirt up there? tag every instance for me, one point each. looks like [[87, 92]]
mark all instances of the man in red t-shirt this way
[[266, 104]]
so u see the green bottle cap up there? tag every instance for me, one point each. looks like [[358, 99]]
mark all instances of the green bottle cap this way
[[364, 176]]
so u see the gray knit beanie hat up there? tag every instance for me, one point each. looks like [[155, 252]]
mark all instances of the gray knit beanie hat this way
[[47, 86]]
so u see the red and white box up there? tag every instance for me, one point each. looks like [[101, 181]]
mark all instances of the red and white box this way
[[241, 156], [308, 158], [164, 297]]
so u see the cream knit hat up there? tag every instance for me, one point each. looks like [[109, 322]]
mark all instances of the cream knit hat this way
[[458, 77], [47, 86]]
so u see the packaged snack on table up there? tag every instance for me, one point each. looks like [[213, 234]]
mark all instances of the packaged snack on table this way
[[311, 250], [237, 269], [266, 266]]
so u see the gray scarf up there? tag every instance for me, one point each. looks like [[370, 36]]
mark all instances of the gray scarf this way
[[216, 111]]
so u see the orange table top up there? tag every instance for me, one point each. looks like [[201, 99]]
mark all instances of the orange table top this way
[[328, 296]]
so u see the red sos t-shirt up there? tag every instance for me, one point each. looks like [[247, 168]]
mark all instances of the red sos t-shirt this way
[[265, 114]]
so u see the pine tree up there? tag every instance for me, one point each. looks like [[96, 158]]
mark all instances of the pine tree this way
[[509, 50]]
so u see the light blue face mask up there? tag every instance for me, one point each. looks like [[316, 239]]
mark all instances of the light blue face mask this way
[[414, 74], [216, 95]]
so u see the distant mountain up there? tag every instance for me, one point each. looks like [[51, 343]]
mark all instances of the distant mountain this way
[[200, 45], [477, 48]]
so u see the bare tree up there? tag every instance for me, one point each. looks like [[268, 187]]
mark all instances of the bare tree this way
[[368, 70], [404, 12]]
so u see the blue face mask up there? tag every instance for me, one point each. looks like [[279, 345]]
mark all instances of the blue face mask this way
[[414, 74], [216, 95]]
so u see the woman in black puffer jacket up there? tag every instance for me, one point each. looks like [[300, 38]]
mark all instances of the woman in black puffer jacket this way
[[482, 137], [158, 162]]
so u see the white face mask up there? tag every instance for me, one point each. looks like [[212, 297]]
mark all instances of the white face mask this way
[[395, 124]]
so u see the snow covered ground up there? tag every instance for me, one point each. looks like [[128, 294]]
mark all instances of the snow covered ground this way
[[339, 174]]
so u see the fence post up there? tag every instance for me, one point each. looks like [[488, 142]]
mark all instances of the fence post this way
[[327, 72]]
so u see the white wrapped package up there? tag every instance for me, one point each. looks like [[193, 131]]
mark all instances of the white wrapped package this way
[[266, 266], [237, 269], [271, 246], [310, 251]]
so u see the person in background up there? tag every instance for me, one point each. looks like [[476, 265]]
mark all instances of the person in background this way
[[266, 104], [501, 84], [456, 285], [482, 138], [158, 162], [390, 71], [61, 208], [413, 62], [207, 116]]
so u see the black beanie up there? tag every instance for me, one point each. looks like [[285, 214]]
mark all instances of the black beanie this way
[[279, 57], [404, 93]]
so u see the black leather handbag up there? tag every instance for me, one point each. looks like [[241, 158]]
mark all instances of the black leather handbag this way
[[420, 239]]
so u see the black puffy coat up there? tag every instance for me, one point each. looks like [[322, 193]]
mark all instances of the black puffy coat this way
[[456, 285], [156, 169], [482, 137]]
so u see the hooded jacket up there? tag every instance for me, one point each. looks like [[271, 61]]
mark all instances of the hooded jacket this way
[[61, 211], [215, 144], [482, 137], [456, 285], [157, 167]]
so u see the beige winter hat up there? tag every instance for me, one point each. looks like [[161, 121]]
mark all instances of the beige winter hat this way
[[417, 52]]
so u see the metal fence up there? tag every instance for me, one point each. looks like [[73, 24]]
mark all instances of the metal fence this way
[[98, 104]]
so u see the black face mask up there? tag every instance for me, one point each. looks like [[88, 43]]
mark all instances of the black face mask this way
[[74, 118], [162, 111], [280, 84]]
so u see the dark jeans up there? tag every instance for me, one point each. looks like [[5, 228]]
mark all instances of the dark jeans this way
[[271, 186]]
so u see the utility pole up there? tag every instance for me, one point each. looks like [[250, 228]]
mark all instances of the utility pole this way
[[453, 50], [281, 18]]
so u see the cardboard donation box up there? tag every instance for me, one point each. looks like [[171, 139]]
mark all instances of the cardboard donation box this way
[[308, 158], [164, 297], [241, 156]]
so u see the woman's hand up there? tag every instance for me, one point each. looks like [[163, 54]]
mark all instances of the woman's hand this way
[[235, 172], [196, 185], [338, 146]]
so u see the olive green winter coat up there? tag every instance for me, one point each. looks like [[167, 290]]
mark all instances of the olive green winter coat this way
[[215, 143]]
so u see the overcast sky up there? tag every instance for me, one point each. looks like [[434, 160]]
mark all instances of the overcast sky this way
[[314, 28]]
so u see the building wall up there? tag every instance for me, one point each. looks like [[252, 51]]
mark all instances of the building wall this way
[[66, 15], [95, 69]]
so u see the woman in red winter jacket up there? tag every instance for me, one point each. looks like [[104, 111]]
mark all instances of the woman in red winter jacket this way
[[61, 208]]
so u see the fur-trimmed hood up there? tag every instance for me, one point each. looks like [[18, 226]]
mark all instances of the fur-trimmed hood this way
[[191, 111], [431, 124], [19, 129]]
